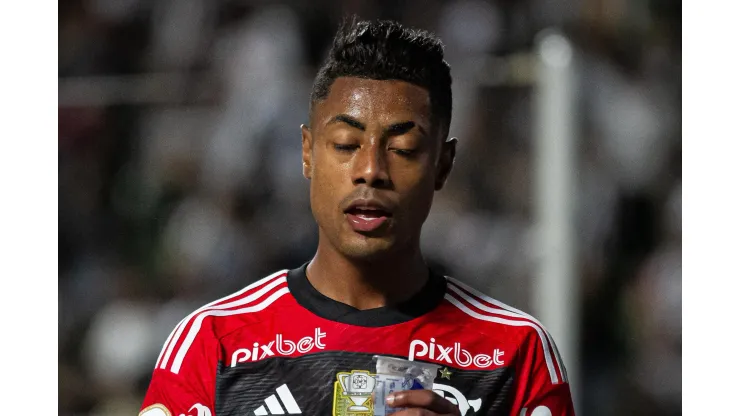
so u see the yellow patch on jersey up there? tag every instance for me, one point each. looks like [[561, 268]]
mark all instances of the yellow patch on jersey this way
[[354, 394]]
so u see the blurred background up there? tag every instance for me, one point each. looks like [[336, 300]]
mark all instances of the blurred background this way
[[180, 175]]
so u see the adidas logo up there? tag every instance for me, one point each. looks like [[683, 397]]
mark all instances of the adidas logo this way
[[273, 407]]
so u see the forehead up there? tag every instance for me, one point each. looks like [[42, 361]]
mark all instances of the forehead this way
[[383, 101]]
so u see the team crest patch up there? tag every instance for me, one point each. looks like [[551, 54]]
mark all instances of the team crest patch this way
[[353, 394], [155, 410]]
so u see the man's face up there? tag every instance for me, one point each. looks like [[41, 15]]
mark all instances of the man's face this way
[[374, 159]]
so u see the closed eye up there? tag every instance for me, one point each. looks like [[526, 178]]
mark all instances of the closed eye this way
[[345, 148], [404, 152]]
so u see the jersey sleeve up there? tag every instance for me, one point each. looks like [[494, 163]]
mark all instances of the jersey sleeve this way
[[184, 379], [542, 387]]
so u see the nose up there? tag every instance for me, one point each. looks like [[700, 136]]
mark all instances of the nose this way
[[371, 167]]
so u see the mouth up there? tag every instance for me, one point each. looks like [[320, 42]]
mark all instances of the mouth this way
[[367, 216]]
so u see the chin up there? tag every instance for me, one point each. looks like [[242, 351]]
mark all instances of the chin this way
[[367, 250]]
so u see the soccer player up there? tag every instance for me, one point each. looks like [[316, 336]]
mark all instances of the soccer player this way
[[302, 341]]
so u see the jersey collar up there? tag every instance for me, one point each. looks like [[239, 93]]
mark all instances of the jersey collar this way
[[424, 301]]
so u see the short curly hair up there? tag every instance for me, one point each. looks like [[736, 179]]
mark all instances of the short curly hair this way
[[386, 50]]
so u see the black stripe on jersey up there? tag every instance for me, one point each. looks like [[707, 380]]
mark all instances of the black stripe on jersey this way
[[310, 378], [422, 302]]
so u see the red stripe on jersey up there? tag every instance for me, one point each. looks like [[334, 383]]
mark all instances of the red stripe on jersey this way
[[477, 306], [254, 291], [479, 303], [490, 302], [265, 300]]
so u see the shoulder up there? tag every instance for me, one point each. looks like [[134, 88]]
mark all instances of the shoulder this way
[[213, 320], [487, 311], [526, 331]]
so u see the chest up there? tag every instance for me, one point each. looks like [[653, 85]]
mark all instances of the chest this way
[[330, 370]]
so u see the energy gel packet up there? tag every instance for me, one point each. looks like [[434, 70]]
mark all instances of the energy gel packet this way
[[396, 374]]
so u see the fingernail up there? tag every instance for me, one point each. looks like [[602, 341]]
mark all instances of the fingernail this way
[[390, 399]]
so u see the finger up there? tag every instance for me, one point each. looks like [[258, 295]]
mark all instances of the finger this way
[[424, 399], [416, 412]]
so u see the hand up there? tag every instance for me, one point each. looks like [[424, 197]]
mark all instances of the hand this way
[[421, 403]]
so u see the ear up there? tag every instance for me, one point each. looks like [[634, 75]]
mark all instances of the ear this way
[[307, 143], [445, 162]]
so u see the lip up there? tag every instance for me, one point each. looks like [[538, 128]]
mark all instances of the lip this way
[[369, 205], [366, 224], [367, 215]]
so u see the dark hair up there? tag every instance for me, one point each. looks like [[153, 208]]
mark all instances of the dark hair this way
[[385, 50]]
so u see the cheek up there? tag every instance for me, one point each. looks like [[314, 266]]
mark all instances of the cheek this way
[[419, 197], [326, 192], [422, 200]]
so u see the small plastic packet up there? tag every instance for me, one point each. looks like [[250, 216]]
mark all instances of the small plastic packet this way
[[395, 374]]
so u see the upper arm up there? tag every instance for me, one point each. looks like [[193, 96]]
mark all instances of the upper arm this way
[[184, 378], [542, 382]]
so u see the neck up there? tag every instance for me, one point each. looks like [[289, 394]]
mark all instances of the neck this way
[[365, 284]]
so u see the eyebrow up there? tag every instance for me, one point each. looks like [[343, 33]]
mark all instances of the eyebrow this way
[[401, 128], [351, 121], [395, 129]]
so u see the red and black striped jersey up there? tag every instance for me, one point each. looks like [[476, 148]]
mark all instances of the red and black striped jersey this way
[[281, 347]]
